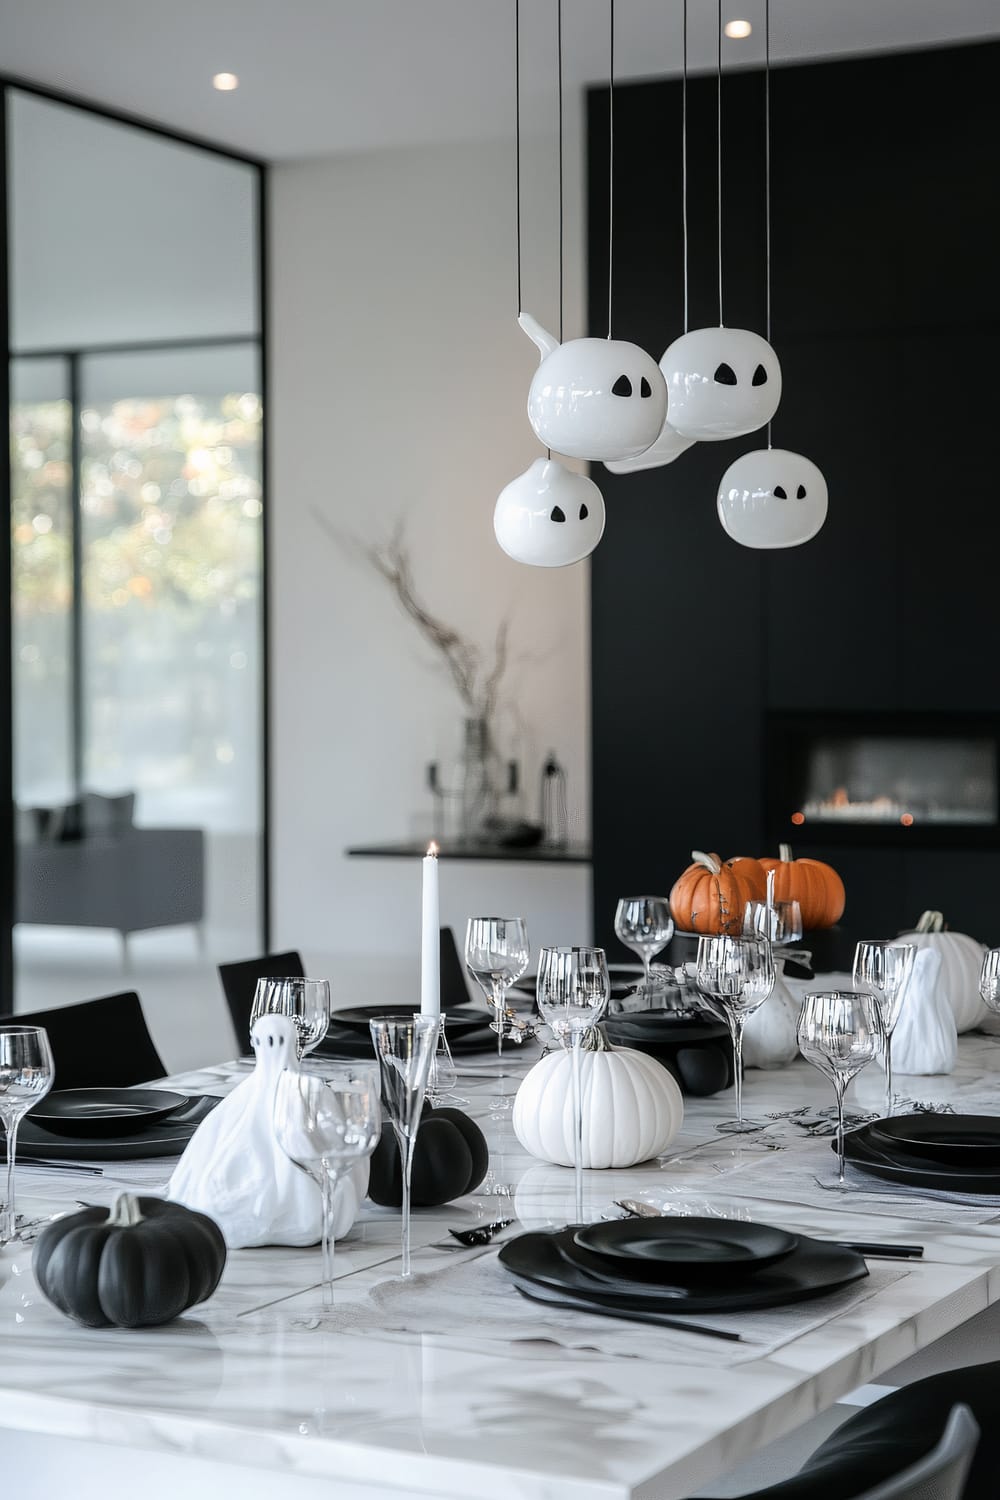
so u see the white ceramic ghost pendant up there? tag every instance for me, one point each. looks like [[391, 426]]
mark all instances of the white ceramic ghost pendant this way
[[721, 383], [598, 399], [772, 498], [549, 516]]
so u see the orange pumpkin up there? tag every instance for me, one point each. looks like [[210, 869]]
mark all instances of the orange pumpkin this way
[[710, 896], [817, 887], [753, 872]]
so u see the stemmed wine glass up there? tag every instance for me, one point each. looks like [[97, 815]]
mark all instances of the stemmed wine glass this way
[[26, 1074], [326, 1122], [644, 924], [306, 1001], [572, 993], [780, 922], [736, 974], [883, 969], [404, 1049], [839, 1032], [496, 955]]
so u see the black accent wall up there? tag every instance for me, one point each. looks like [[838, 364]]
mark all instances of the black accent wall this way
[[886, 274]]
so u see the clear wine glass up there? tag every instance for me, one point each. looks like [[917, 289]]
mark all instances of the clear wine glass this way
[[404, 1050], [26, 1075], [780, 923], [306, 1001], [572, 992], [839, 1032], [496, 955], [883, 969], [644, 924], [736, 975], [326, 1121], [989, 980]]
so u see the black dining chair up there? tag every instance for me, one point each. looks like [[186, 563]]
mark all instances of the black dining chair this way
[[239, 981], [454, 986], [101, 1043]]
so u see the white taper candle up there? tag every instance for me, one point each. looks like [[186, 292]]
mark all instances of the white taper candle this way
[[430, 944]]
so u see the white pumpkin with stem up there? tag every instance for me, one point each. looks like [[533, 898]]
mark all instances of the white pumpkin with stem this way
[[632, 1107], [961, 961]]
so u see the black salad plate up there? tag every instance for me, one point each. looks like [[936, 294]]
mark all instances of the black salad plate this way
[[104, 1112], [685, 1246], [971, 1142], [545, 1260], [166, 1137], [460, 1018], [867, 1152]]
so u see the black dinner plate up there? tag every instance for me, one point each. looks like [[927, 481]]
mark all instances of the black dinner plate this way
[[355, 1044], [809, 1270], [971, 1142], [867, 1153], [662, 1027], [97, 1113], [460, 1019], [686, 1245], [164, 1138]]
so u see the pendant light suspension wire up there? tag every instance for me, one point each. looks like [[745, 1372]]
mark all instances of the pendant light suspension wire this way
[[767, 180], [559, 67], [684, 163], [611, 159], [718, 124], [517, 146]]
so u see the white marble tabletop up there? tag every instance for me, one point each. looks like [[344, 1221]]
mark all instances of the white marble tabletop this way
[[258, 1371]]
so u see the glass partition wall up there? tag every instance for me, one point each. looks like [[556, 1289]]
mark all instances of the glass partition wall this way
[[137, 596]]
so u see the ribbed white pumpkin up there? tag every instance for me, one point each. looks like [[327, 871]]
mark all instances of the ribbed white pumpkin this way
[[961, 961], [632, 1108]]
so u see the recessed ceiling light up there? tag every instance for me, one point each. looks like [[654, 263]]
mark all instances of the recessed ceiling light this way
[[738, 28], [226, 82]]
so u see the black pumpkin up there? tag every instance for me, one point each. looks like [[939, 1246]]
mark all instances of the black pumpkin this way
[[450, 1159], [143, 1262]]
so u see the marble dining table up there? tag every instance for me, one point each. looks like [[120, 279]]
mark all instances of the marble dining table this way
[[452, 1384]]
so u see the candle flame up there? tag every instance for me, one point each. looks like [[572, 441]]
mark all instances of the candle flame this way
[[433, 850]]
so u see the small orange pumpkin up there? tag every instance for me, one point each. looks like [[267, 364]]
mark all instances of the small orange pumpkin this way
[[710, 896], [753, 872], [817, 887]]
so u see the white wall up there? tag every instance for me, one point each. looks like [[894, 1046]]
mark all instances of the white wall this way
[[398, 383]]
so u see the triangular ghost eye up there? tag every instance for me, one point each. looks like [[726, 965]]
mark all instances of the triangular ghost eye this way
[[645, 389], [622, 386], [759, 376], [800, 493], [556, 514], [584, 512], [725, 375], [779, 493]]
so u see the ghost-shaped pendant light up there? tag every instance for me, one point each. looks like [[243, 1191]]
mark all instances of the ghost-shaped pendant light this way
[[597, 399], [721, 383], [549, 516], [772, 498]]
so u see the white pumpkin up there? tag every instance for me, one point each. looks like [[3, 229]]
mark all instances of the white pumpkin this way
[[961, 961], [632, 1108], [925, 1039], [770, 1037]]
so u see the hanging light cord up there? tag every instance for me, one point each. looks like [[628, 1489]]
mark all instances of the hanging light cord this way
[[718, 115], [611, 159], [559, 59], [517, 146], [684, 164], [767, 180]]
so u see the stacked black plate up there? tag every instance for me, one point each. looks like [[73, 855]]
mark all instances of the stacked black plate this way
[[110, 1124], [672, 1266], [950, 1153], [349, 1034]]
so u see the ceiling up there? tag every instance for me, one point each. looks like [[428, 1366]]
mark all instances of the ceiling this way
[[323, 76]]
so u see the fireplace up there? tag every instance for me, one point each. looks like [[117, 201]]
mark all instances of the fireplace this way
[[895, 780]]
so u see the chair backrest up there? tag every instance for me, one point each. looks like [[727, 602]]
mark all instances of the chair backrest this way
[[99, 1043], [454, 986], [239, 981], [940, 1474]]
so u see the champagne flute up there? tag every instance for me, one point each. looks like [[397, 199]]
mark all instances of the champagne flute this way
[[26, 1075], [496, 955], [839, 1032], [572, 994], [883, 968], [404, 1049], [326, 1121], [644, 924], [989, 980], [306, 1001], [736, 974]]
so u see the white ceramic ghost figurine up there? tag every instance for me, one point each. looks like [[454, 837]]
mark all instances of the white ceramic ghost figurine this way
[[925, 1039], [721, 383], [770, 1038], [598, 399], [772, 498], [549, 516], [234, 1170]]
